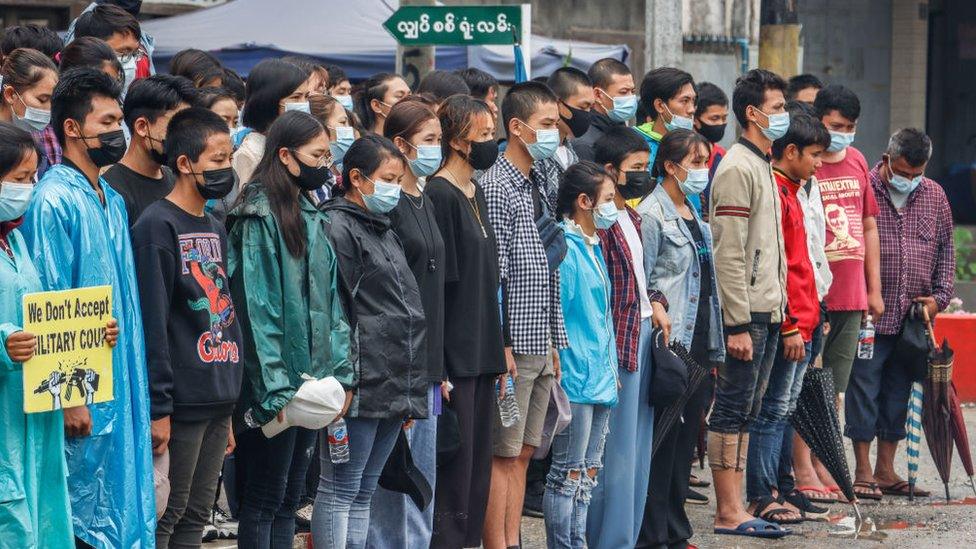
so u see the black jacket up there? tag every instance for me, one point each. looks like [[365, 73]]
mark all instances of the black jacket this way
[[382, 302], [584, 145]]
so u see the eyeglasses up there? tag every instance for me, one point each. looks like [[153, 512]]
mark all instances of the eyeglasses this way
[[318, 162], [125, 58]]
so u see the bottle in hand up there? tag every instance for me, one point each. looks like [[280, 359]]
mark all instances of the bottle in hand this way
[[865, 339], [507, 405], [339, 442]]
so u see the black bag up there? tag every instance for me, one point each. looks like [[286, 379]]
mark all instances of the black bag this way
[[550, 233], [670, 373], [448, 436], [401, 475], [914, 344]]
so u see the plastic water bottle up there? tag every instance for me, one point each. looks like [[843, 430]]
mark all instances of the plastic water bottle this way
[[865, 339], [507, 405], [339, 442]]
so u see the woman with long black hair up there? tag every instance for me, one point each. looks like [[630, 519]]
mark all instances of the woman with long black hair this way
[[376, 97]]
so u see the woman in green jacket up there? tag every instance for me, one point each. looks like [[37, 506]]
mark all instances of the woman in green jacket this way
[[283, 279]]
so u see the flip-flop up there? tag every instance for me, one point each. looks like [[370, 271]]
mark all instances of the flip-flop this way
[[810, 512], [867, 495], [764, 512], [756, 528], [901, 489], [824, 491], [696, 482], [841, 498], [696, 498]]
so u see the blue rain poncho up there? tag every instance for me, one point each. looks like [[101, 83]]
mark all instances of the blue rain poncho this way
[[76, 242], [34, 508]]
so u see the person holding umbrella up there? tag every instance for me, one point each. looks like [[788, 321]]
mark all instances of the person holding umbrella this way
[[917, 265]]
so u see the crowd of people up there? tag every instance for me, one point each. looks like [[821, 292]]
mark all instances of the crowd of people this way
[[274, 241]]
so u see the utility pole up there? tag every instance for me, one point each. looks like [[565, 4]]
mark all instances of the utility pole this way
[[779, 37], [414, 62]]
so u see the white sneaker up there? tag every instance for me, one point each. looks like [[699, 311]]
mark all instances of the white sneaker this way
[[225, 525], [210, 532], [303, 516]]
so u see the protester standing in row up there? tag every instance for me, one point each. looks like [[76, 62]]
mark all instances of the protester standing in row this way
[[668, 95], [614, 102], [377, 96], [711, 120], [28, 78]]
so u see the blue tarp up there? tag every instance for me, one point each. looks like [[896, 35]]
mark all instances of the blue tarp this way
[[347, 33]]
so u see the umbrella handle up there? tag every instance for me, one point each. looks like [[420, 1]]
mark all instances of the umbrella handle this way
[[929, 327]]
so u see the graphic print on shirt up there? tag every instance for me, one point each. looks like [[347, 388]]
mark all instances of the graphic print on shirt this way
[[201, 257], [845, 229]]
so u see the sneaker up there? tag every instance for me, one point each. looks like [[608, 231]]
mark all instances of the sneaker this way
[[210, 532], [225, 525], [303, 518]]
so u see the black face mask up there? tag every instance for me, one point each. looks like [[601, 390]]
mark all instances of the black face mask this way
[[310, 178], [712, 132], [158, 157], [111, 149], [217, 183], [483, 154], [638, 184], [579, 123]]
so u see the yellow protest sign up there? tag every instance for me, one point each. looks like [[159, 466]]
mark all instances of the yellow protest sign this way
[[72, 365]]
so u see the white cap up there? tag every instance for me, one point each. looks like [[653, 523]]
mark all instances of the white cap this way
[[315, 405]]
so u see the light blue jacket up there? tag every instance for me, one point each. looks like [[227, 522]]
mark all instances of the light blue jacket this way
[[34, 507], [589, 364], [671, 264], [75, 242]]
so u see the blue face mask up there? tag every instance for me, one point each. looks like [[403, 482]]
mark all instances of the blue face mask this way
[[779, 123], [546, 142], [344, 139], [902, 184], [605, 215], [14, 198], [427, 161], [840, 141], [344, 100], [301, 106], [678, 122], [624, 107], [695, 181], [385, 197]]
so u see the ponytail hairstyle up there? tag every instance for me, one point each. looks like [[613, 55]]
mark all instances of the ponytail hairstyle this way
[[25, 67], [457, 115], [291, 130], [374, 88], [366, 155], [675, 147], [584, 177]]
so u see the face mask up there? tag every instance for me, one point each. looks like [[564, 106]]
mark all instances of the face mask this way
[[384, 198], [840, 141], [301, 106], [14, 198], [34, 119], [779, 123], [624, 107], [216, 183], [310, 178], [695, 182], [678, 122], [128, 70], [637, 184], [157, 156], [344, 100], [605, 215], [712, 132], [483, 154], [344, 139], [427, 161], [902, 184], [546, 143], [579, 123], [111, 148]]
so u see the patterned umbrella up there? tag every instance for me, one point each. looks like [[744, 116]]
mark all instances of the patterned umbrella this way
[[960, 436], [913, 428], [936, 414]]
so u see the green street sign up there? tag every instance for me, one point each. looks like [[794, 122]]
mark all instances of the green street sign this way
[[454, 25]]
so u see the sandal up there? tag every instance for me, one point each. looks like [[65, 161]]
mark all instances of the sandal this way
[[764, 512], [902, 489], [757, 528], [823, 497], [696, 482], [808, 510], [873, 495]]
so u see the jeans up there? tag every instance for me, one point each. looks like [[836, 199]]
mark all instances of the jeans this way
[[876, 402], [274, 479], [340, 517], [784, 478], [578, 449], [767, 431], [196, 450], [741, 384]]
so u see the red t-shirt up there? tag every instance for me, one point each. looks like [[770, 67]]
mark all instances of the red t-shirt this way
[[847, 200]]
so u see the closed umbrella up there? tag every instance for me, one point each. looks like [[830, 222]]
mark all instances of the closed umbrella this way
[[913, 430], [665, 420], [936, 414], [521, 75], [960, 435]]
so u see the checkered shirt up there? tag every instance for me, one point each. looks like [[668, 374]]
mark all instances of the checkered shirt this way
[[534, 318], [917, 255], [48, 144]]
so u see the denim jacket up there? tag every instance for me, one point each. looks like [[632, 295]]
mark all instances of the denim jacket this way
[[671, 264]]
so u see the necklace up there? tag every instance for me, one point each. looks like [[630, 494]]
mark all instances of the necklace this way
[[413, 202], [472, 200], [428, 244]]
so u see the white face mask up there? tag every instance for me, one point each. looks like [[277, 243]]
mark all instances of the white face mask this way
[[34, 119], [14, 198], [128, 69]]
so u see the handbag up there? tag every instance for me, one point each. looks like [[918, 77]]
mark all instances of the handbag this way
[[558, 417], [669, 373], [914, 345]]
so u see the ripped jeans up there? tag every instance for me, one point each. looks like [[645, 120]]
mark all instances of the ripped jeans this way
[[577, 455]]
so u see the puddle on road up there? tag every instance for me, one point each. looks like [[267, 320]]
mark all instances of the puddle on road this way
[[847, 527]]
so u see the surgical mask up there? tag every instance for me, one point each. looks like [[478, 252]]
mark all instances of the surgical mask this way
[[779, 123], [712, 132], [344, 139], [605, 215], [637, 184], [385, 197], [128, 70], [157, 156], [840, 141], [579, 123], [310, 178], [624, 107], [300, 106], [111, 148], [678, 122], [216, 183], [344, 100], [695, 182], [902, 184], [427, 161], [483, 154], [34, 119], [14, 198], [546, 142]]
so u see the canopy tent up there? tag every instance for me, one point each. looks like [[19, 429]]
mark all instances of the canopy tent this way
[[349, 34]]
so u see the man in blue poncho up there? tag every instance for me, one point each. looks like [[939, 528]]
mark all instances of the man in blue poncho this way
[[77, 232]]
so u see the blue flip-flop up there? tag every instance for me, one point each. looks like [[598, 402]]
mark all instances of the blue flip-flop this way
[[756, 528]]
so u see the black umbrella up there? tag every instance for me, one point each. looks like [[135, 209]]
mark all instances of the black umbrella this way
[[815, 419], [666, 418]]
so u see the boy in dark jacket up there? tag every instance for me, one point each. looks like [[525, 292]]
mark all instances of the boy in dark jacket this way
[[193, 339]]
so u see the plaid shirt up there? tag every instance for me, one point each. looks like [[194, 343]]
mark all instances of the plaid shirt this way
[[917, 256], [48, 144], [533, 309]]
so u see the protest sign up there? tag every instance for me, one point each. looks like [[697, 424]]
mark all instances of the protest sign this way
[[72, 365]]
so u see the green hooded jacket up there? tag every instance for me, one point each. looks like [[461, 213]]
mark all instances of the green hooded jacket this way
[[292, 318]]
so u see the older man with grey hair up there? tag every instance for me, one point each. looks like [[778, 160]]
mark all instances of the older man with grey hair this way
[[917, 266]]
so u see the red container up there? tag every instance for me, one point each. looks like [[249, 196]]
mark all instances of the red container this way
[[960, 330]]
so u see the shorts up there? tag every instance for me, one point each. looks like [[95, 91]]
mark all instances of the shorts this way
[[532, 389], [840, 346]]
